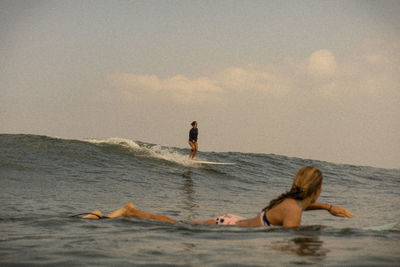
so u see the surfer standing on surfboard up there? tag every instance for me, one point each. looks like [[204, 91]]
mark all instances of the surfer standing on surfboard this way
[[194, 132]]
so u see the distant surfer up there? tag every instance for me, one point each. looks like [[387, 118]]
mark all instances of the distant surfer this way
[[194, 132]]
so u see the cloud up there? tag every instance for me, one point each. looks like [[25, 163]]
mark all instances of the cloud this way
[[372, 69], [322, 63], [179, 87], [253, 79], [368, 70]]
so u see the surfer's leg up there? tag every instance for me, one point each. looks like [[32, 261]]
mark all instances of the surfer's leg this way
[[193, 147], [196, 148], [129, 210], [94, 215]]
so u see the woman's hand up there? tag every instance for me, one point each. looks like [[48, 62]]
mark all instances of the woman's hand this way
[[340, 211]]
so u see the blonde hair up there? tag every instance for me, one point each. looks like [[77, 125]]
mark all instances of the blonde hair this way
[[307, 181]]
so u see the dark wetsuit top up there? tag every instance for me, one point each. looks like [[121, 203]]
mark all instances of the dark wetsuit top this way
[[193, 135]]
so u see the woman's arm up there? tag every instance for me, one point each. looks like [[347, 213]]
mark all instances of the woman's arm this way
[[319, 206], [334, 210]]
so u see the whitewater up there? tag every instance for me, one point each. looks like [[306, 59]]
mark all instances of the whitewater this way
[[45, 180]]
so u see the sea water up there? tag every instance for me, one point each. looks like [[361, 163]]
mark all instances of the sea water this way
[[45, 180]]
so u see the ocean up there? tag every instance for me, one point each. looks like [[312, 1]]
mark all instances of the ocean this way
[[45, 180]]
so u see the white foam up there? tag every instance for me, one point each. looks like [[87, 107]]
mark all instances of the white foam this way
[[151, 151], [115, 141]]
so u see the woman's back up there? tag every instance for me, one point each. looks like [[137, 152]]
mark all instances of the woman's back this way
[[287, 213]]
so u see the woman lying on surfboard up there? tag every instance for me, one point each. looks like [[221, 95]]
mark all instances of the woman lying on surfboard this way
[[194, 132], [285, 210]]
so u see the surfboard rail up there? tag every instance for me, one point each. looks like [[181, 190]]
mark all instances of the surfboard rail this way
[[210, 162], [384, 227]]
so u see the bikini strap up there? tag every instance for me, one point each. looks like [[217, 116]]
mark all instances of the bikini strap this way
[[265, 219], [298, 202]]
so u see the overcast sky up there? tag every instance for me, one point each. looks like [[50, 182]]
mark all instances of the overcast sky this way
[[311, 79]]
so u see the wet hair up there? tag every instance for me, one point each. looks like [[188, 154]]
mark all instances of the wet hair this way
[[193, 123], [307, 181]]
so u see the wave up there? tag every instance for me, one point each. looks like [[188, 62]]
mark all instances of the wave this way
[[93, 149], [137, 148], [88, 148], [135, 168]]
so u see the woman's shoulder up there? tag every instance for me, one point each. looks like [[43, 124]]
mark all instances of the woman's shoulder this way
[[290, 204], [290, 213]]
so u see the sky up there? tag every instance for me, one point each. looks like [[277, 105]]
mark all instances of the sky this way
[[311, 79]]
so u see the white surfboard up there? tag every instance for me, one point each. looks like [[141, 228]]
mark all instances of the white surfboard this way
[[210, 162]]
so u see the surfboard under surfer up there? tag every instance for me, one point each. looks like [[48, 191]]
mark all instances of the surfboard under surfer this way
[[194, 132]]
